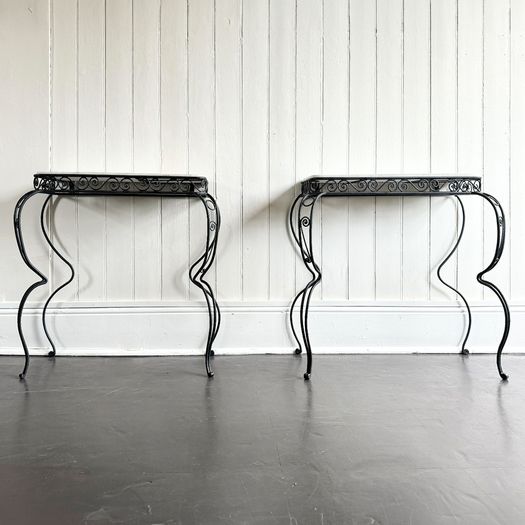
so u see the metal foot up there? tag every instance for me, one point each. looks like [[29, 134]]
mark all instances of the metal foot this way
[[51, 353], [464, 351], [199, 269], [306, 376], [298, 351]]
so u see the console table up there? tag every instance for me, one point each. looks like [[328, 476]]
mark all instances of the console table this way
[[441, 186], [113, 185]]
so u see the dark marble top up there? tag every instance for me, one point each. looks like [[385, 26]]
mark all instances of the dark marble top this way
[[391, 185], [119, 184]]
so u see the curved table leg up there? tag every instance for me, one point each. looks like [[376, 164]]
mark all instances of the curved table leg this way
[[304, 223], [464, 350], [52, 353], [17, 222], [500, 243], [214, 224], [292, 223], [199, 269]]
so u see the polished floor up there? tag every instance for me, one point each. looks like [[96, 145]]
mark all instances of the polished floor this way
[[370, 440]]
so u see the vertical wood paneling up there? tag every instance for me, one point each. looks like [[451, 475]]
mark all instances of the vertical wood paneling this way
[[517, 150], [308, 134], [362, 147], [335, 146], [255, 87], [281, 144], [416, 145], [257, 95], [91, 147], [389, 145], [24, 138], [201, 84], [228, 106], [496, 76], [119, 147], [470, 140], [174, 144], [146, 145], [63, 143], [443, 212]]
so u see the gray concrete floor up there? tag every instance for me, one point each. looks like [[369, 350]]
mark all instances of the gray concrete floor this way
[[370, 440]]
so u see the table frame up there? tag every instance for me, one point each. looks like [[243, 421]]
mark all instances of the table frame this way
[[111, 185], [315, 188]]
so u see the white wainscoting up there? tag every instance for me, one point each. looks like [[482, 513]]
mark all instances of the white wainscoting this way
[[258, 328], [257, 95]]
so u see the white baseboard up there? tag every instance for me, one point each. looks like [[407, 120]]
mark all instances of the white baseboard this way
[[335, 328]]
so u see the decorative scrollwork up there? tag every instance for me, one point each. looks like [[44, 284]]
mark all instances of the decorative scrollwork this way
[[102, 184], [375, 186]]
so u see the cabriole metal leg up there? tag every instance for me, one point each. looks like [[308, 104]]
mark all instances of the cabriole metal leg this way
[[500, 243], [17, 221], [304, 228], [295, 234], [52, 353], [199, 269], [464, 350]]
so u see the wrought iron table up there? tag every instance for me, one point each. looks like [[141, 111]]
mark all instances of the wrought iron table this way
[[301, 226], [109, 185]]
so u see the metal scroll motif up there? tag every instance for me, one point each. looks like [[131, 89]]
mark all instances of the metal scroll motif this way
[[120, 184], [390, 185]]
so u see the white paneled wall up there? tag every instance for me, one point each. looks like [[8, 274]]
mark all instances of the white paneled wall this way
[[257, 95]]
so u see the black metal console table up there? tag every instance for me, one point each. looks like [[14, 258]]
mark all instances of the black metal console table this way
[[316, 187], [110, 185]]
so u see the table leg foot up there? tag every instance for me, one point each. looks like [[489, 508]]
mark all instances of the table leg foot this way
[[504, 377], [298, 351], [307, 376], [464, 351], [212, 352], [210, 374]]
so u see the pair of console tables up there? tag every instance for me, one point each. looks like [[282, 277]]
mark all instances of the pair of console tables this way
[[301, 212]]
